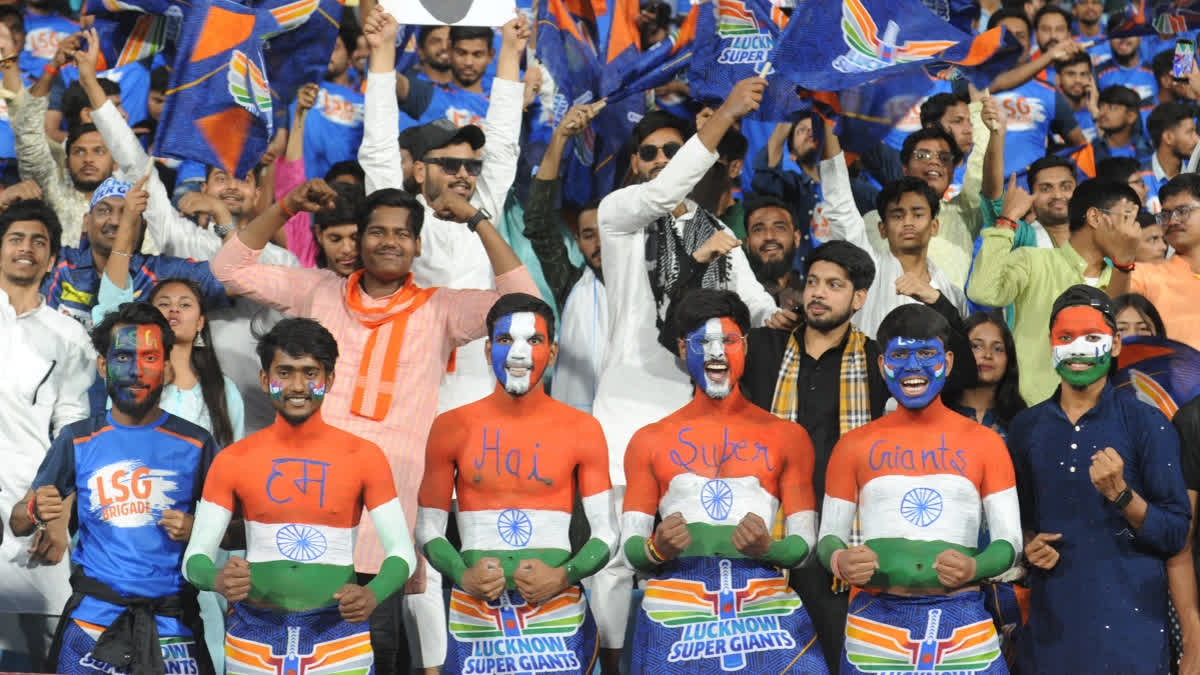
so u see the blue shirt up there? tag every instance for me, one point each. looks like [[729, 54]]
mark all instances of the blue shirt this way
[[1035, 110], [1103, 607], [125, 478], [333, 130], [1138, 78], [42, 34], [72, 288], [132, 78]]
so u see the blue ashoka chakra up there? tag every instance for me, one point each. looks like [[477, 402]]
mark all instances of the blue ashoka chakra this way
[[301, 543], [717, 499], [515, 527], [921, 506]]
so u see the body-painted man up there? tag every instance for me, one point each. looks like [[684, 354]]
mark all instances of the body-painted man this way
[[515, 459], [301, 486], [718, 470], [917, 479], [136, 473]]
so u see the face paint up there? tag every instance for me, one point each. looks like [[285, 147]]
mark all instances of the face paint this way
[[317, 390], [716, 356], [520, 351], [275, 389], [135, 368], [1082, 342], [919, 363]]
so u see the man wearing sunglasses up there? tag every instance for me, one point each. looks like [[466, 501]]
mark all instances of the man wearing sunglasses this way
[[657, 243]]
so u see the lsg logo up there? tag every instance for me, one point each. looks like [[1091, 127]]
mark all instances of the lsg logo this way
[[129, 494]]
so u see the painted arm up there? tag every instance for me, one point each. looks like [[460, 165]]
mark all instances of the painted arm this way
[[596, 489], [799, 505], [400, 560], [840, 507], [433, 499], [640, 503], [213, 514]]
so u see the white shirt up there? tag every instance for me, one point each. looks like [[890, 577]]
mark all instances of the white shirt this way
[[640, 382], [234, 328], [848, 224], [582, 342], [452, 256], [50, 365]]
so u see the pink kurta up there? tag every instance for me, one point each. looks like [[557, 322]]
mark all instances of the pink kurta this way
[[450, 319], [300, 241]]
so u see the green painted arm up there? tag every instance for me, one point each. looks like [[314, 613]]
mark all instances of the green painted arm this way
[[201, 571], [829, 545], [391, 578], [445, 559], [994, 560], [635, 553], [590, 559], [787, 552]]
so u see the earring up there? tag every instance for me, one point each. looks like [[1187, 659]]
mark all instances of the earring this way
[[199, 341]]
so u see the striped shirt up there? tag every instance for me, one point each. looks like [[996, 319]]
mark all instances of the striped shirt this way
[[450, 319]]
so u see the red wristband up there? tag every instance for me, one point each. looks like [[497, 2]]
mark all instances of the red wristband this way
[[833, 564], [283, 207], [655, 556], [50, 69], [1126, 268], [29, 509], [1004, 221]]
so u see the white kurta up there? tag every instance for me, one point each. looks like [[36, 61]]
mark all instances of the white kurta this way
[[582, 343]]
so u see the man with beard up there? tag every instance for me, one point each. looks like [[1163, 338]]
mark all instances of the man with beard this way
[[1117, 108], [771, 241], [302, 487], [448, 159], [1076, 83], [658, 244], [73, 286], [1126, 69], [821, 376], [1087, 15], [433, 54], [578, 291], [1103, 506], [916, 483], [718, 509], [50, 367], [515, 493], [137, 472], [1172, 128]]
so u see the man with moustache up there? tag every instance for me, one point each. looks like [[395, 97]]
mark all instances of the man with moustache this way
[[578, 291], [137, 472], [821, 375], [433, 55], [771, 241], [658, 244], [1126, 69], [1172, 128], [515, 492]]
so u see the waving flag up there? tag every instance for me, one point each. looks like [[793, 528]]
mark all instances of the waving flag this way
[[1149, 17], [132, 30], [632, 72], [734, 41], [406, 48], [300, 53], [839, 44], [1160, 372]]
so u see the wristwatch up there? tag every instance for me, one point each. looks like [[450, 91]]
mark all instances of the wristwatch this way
[[224, 230], [480, 216], [1123, 499]]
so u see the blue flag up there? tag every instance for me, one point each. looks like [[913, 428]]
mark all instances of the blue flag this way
[[406, 48], [1161, 372], [631, 71], [300, 53], [132, 30], [1154, 17], [835, 45], [734, 41]]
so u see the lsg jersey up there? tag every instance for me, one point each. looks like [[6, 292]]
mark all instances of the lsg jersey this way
[[1030, 109]]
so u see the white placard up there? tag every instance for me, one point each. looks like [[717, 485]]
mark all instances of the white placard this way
[[453, 12]]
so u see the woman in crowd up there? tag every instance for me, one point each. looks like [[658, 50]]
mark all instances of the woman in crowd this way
[[1137, 317], [995, 399]]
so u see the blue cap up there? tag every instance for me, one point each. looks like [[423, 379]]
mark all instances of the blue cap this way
[[111, 187]]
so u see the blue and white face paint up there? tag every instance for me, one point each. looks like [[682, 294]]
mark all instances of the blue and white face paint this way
[[915, 370], [716, 356], [520, 351]]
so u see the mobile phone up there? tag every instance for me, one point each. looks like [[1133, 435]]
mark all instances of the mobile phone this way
[[1185, 59]]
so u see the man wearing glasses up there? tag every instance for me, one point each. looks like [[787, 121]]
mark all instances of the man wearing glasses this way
[[717, 471], [657, 243], [1104, 238], [1172, 285]]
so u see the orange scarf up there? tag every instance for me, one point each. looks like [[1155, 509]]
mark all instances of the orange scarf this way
[[376, 381]]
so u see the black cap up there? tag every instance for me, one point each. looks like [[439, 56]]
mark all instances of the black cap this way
[[1085, 296], [410, 139], [442, 132]]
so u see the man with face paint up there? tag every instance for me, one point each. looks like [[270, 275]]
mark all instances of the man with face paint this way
[[1103, 506], [917, 481], [136, 472], [717, 471], [301, 486], [515, 459]]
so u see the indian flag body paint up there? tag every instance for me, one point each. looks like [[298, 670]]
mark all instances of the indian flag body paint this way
[[518, 357], [710, 345], [1081, 335]]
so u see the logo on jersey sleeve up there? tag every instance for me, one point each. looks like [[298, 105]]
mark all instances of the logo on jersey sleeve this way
[[339, 109], [131, 494], [1024, 113]]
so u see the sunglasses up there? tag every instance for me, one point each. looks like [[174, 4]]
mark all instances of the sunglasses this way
[[647, 153], [946, 158], [452, 165]]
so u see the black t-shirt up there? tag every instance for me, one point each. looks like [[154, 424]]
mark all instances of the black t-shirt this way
[[1187, 423]]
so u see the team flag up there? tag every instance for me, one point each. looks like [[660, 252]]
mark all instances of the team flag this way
[[1149, 17], [734, 41], [406, 47], [631, 71], [840, 44], [1160, 372], [132, 30]]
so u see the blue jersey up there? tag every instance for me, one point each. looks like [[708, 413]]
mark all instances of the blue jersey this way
[[1035, 110], [1138, 78], [912, 118], [125, 477], [333, 130], [42, 34], [134, 80], [428, 101], [75, 282]]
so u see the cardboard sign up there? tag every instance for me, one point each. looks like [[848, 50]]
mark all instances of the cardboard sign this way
[[451, 12]]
